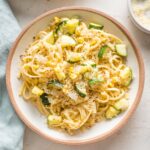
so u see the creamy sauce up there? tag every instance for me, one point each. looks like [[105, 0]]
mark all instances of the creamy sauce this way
[[141, 9]]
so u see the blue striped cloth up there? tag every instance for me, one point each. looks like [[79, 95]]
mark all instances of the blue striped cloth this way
[[11, 128]]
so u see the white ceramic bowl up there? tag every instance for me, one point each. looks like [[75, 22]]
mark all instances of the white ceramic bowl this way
[[29, 114], [134, 19]]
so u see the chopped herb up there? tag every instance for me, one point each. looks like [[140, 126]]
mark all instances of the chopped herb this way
[[55, 83], [44, 99]]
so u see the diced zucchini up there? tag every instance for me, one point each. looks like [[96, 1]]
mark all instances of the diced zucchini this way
[[102, 51], [122, 105], [111, 113], [73, 57], [60, 25], [55, 83], [90, 63], [49, 38], [88, 75], [80, 87], [96, 26], [54, 119], [95, 80], [66, 40], [93, 65], [44, 99], [70, 26], [126, 76], [121, 49], [59, 73], [74, 72], [37, 91]]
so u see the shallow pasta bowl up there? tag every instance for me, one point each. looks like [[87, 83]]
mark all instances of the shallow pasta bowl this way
[[30, 115]]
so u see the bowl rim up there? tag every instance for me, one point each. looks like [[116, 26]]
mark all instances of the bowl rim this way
[[131, 110], [134, 19]]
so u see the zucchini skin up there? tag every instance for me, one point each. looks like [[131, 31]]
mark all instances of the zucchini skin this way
[[102, 51], [59, 26], [79, 91], [96, 26], [55, 83]]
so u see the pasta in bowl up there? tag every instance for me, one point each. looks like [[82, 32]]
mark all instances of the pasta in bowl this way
[[77, 74]]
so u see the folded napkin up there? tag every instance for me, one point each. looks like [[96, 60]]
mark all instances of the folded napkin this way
[[11, 128]]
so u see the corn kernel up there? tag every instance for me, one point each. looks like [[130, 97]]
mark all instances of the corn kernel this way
[[56, 19], [48, 63], [60, 75], [80, 40], [92, 43], [77, 32], [35, 66]]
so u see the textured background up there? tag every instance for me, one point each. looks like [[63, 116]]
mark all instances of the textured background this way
[[136, 134]]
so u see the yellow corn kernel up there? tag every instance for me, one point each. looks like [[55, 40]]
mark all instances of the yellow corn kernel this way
[[70, 69], [48, 63], [37, 91], [35, 67], [92, 43], [84, 69], [56, 19], [26, 59], [60, 75], [111, 84], [26, 67], [77, 32], [80, 40], [73, 76]]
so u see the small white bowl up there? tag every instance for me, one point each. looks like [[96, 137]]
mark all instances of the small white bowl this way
[[135, 20], [31, 116]]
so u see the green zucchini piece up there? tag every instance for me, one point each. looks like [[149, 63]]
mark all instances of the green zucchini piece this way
[[73, 57], [70, 26], [59, 26], [81, 89], [55, 83], [44, 99], [93, 65], [102, 51], [95, 81], [54, 120], [126, 76], [122, 105], [121, 50], [49, 38], [96, 26], [66, 40], [111, 112]]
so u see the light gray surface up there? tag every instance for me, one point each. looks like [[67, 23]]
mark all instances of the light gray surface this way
[[136, 134]]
